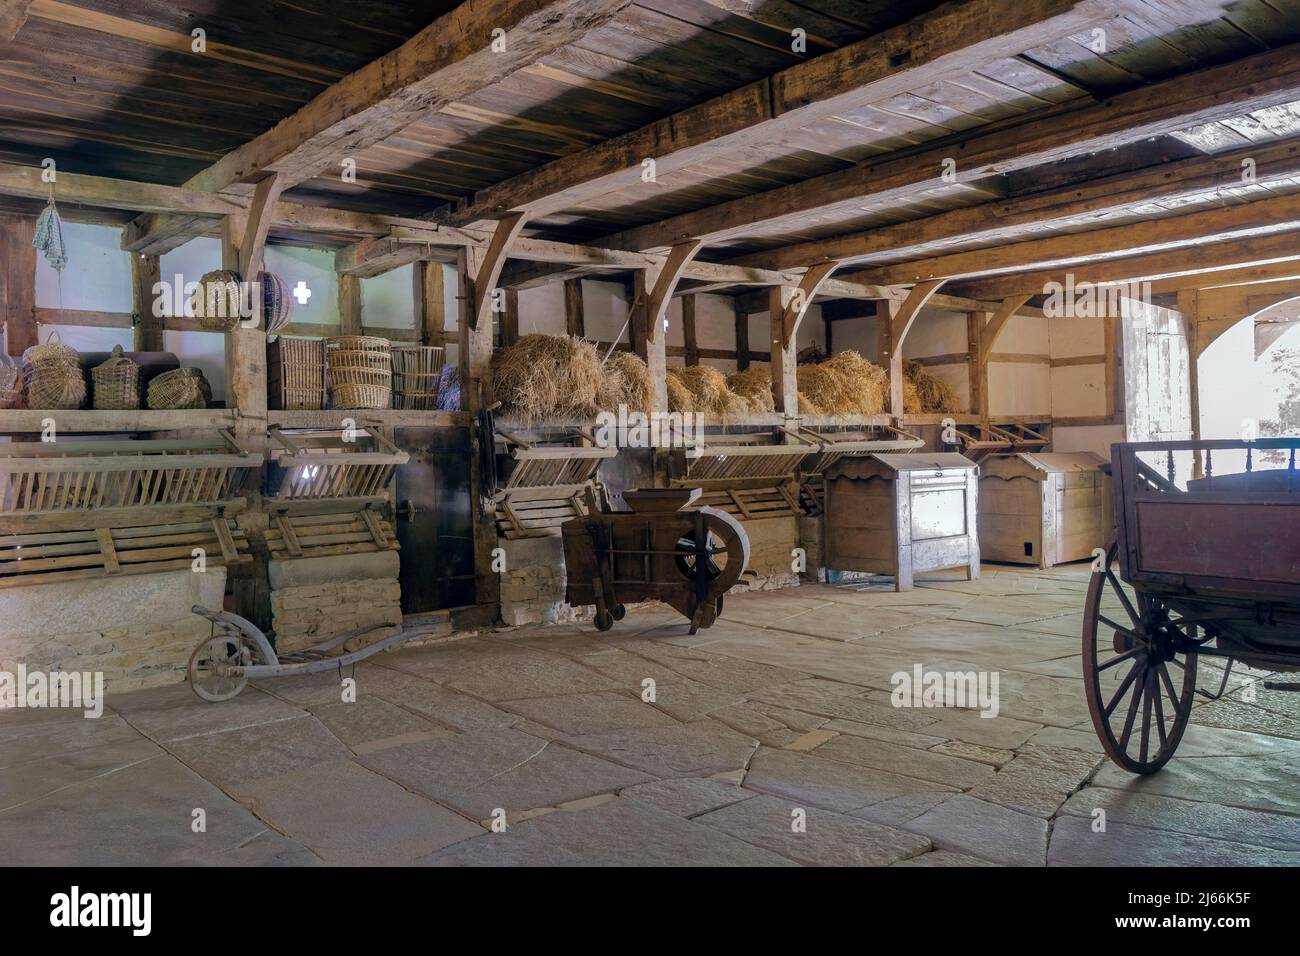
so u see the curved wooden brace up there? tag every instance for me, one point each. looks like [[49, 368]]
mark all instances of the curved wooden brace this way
[[797, 307], [989, 337], [661, 291], [494, 259], [900, 324]]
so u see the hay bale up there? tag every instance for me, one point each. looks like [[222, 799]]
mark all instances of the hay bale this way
[[625, 380], [680, 398], [808, 407], [845, 384], [707, 386], [932, 394], [548, 377], [754, 385]]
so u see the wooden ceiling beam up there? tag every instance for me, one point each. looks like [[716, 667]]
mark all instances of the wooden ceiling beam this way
[[1193, 228], [1005, 218], [1204, 96], [946, 42], [1186, 262], [478, 44]]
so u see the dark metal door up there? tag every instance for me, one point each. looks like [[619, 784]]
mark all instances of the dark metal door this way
[[434, 525]]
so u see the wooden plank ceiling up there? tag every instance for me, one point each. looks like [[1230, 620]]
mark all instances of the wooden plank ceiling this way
[[111, 88]]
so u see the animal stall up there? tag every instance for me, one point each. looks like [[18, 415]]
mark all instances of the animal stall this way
[[901, 514], [1044, 508]]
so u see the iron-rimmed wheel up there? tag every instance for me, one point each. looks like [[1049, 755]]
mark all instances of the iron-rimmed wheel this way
[[604, 620], [619, 612], [224, 650], [1139, 671]]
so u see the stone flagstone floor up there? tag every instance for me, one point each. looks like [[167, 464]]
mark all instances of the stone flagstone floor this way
[[779, 712]]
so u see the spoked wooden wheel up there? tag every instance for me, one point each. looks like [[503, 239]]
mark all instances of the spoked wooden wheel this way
[[229, 650], [714, 554], [1139, 671]]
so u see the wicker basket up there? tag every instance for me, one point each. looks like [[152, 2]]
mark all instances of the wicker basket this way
[[11, 383], [360, 371], [277, 304], [52, 376], [180, 388], [296, 374], [116, 382], [217, 301], [417, 370]]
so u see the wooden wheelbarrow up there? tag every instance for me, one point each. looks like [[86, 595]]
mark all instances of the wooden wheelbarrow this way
[[222, 665]]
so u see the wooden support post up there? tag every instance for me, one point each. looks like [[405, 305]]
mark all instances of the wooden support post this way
[[650, 347], [145, 273], [974, 328], [430, 302], [574, 321], [742, 337], [246, 393], [351, 311], [19, 285], [689, 338], [1190, 307], [492, 261], [902, 315], [510, 318], [475, 391], [989, 337], [785, 386]]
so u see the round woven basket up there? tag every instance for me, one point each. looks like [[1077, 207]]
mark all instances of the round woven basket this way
[[180, 388], [52, 376], [217, 301], [11, 383], [277, 302], [116, 382], [360, 371], [417, 371]]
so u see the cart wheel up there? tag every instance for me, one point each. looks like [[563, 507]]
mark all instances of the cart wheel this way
[[604, 620], [223, 649], [1139, 672], [620, 612]]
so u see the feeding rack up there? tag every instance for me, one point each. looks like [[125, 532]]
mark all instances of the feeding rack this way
[[328, 490], [80, 509], [747, 474], [544, 480], [832, 446]]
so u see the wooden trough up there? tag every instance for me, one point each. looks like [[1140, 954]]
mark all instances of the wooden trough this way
[[1044, 508]]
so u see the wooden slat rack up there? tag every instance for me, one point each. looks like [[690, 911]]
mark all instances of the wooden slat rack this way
[[545, 479], [832, 446], [327, 492], [80, 509]]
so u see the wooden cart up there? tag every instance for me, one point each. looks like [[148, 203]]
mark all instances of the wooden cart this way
[[1207, 567], [667, 548]]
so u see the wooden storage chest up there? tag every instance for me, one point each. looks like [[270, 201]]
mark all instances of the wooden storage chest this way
[[900, 514], [1044, 508]]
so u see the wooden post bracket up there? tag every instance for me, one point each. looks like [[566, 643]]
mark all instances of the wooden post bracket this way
[[494, 259]]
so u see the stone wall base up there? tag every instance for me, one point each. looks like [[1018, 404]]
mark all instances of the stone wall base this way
[[771, 554], [313, 599], [136, 629], [533, 581]]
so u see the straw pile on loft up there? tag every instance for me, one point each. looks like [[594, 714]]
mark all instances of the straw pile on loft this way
[[844, 384], [930, 394], [754, 385], [625, 380], [548, 377], [680, 398], [708, 391]]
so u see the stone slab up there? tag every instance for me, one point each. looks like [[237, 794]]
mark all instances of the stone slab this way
[[688, 750], [984, 830]]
